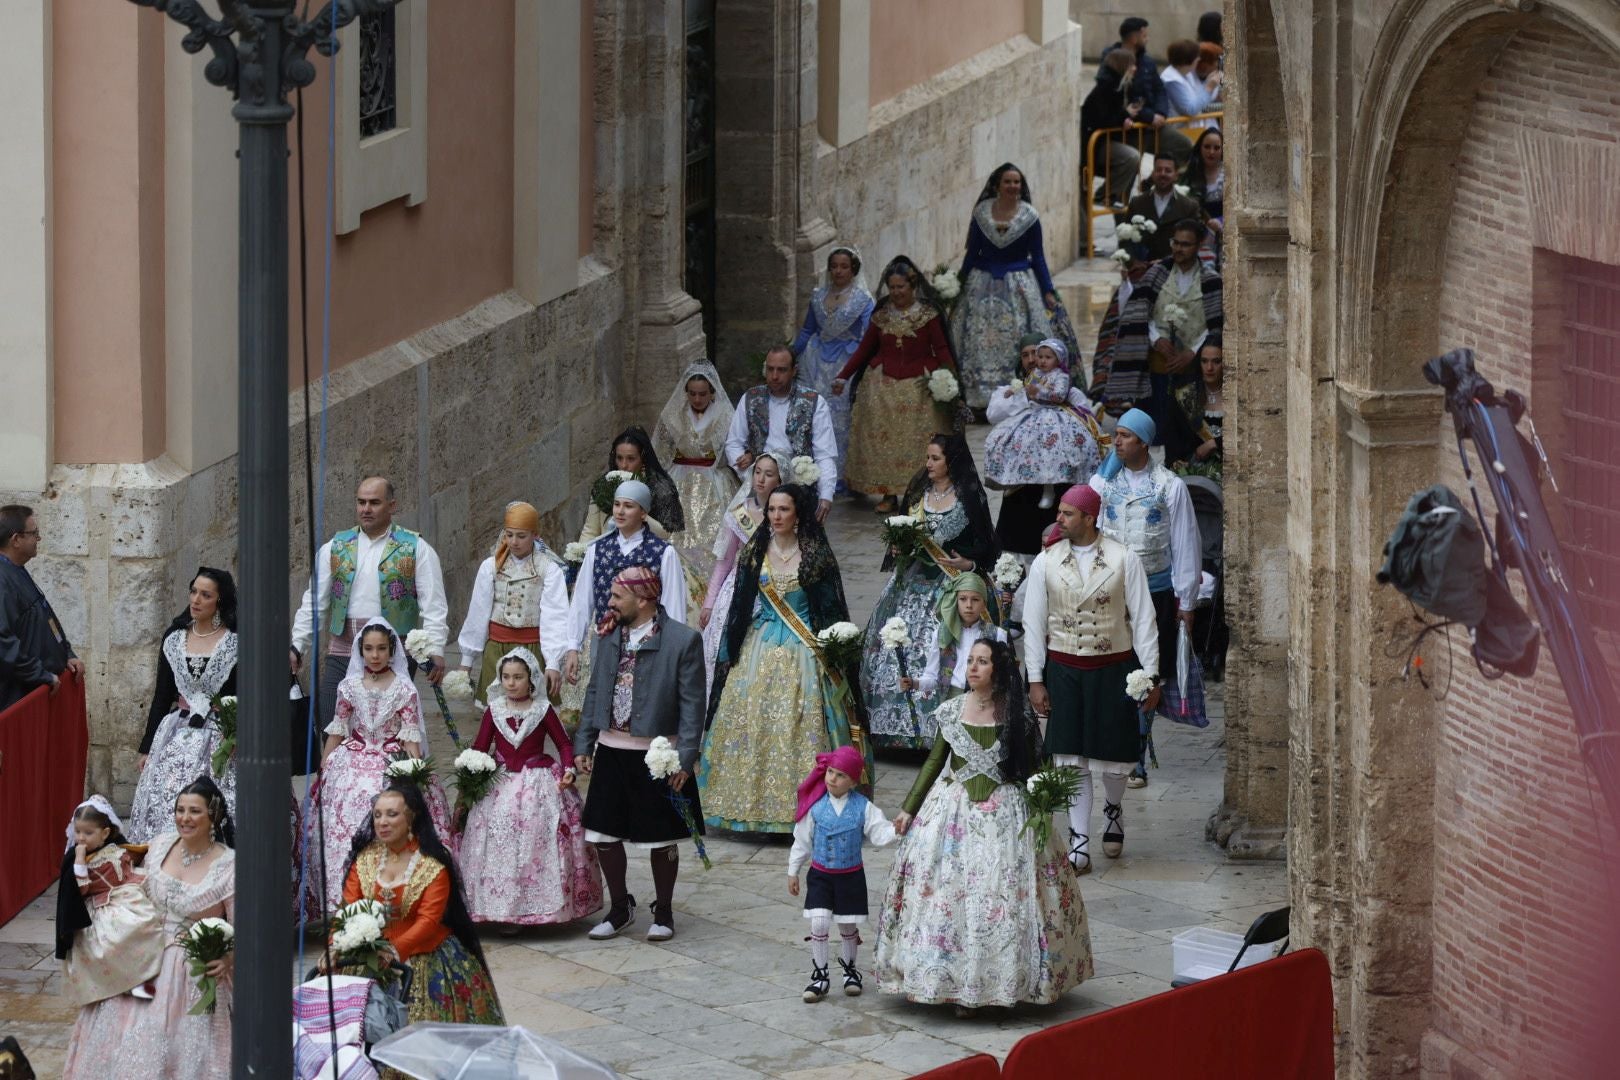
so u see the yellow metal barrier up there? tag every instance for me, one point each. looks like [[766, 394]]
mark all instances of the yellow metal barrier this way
[[1089, 169]]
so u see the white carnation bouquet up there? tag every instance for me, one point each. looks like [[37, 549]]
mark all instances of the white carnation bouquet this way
[[416, 770], [946, 284], [904, 536], [574, 552], [663, 762], [476, 774], [458, 684], [203, 942], [357, 938], [419, 646], [1122, 257], [943, 386], [1008, 571], [841, 645], [895, 634], [1127, 233], [602, 491], [805, 470], [1146, 227], [1139, 684]]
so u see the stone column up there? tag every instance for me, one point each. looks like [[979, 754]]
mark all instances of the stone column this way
[[670, 333], [25, 274]]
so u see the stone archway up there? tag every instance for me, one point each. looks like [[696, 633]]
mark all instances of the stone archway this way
[[1252, 818], [1368, 882]]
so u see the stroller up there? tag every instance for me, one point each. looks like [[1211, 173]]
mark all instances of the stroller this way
[[358, 1013], [1210, 631]]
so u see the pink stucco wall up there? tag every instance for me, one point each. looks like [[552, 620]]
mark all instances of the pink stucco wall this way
[[914, 40]]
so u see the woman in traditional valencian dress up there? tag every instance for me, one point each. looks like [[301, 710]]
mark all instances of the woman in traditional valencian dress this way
[[894, 409], [779, 705], [520, 597], [834, 324], [190, 876], [378, 722], [523, 849], [743, 517], [196, 668], [948, 498], [691, 435], [974, 915], [632, 452], [399, 860], [1007, 290]]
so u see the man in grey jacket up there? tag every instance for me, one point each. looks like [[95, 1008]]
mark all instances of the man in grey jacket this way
[[647, 679]]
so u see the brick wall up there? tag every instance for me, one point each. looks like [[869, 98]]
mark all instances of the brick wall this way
[[1518, 849]]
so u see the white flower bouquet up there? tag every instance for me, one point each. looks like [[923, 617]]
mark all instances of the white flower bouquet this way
[[357, 938], [204, 942], [664, 761], [1128, 234], [225, 717], [1008, 571], [458, 684], [574, 552], [476, 774], [805, 470], [419, 646], [416, 770], [946, 284], [1139, 684], [1183, 190], [602, 491], [943, 386], [1045, 793], [1148, 228], [1122, 257], [841, 645], [1017, 386], [904, 536], [895, 634]]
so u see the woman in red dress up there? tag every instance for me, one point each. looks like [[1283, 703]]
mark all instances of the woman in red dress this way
[[895, 412]]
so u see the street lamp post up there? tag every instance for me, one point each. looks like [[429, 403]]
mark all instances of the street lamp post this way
[[260, 53]]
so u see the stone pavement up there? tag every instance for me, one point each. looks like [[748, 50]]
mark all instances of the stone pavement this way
[[722, 999]]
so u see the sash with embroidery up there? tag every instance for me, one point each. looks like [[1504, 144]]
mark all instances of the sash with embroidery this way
[[801, 630], [933, 550]]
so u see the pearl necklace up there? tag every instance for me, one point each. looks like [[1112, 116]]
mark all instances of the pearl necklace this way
[[199, 634]]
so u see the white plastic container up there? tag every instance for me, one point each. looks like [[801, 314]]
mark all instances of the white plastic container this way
[[1204, 952]]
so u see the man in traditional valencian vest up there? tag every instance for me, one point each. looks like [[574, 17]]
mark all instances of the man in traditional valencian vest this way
[[1145, 506], [789, 421], [376, 569], [1088, 624]]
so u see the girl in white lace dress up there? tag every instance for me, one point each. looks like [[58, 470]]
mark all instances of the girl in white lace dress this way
[[197, 666], [378, 721]]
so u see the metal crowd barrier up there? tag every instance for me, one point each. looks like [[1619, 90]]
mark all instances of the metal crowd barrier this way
[[1138, 133]]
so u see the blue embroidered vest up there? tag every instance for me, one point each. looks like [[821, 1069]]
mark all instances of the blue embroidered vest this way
[[610, 560], [396, 584], [837, 843], [800, 420]]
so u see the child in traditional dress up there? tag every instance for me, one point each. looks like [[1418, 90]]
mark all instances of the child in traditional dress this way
[[523, 852], [964, 618], [832, 822], [1048, 443], [378, 721], [108, 935]]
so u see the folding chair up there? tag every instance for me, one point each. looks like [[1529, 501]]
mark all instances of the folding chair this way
[[1267, 929]]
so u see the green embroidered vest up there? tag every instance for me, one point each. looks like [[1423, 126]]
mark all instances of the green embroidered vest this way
[[396, 585]]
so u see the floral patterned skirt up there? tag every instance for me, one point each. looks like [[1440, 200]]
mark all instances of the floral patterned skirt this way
[[1044, 444], [453, 986], [973, 914], [892, 422], [523, 854], [992, 314], [897, 719], [126, 1037]]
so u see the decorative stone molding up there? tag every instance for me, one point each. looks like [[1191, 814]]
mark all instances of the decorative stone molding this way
[[376, 170]]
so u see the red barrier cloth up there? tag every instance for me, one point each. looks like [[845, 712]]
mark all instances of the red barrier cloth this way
[[977, 1067], [1272, 1019], [43, 744]]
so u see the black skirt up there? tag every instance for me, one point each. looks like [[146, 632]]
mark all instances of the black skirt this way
[[1021, 521], [841, 894], [1092, 716], [624, 800]]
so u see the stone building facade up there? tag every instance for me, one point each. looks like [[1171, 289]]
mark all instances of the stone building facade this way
[[1410, 176], [570, 200]]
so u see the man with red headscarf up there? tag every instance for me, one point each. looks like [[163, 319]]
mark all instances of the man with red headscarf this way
[[647, 680], [1088, 625]]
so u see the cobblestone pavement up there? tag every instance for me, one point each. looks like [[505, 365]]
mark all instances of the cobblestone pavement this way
[[722, 999]]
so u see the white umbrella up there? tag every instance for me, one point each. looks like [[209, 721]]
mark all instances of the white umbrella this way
[[482, 1052], [1183, 664]]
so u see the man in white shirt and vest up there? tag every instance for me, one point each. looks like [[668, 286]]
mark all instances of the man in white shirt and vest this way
[[788, 421], [1088, 624], [1145, 506], [377, 569]]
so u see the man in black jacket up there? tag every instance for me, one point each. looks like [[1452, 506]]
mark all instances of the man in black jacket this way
[[34, 650], [1148, 88]]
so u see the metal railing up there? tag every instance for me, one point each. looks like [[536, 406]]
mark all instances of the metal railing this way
[[1088, 162]]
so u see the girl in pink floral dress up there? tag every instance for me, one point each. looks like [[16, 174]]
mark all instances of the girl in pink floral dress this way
[[378, 721], [523, 853]]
